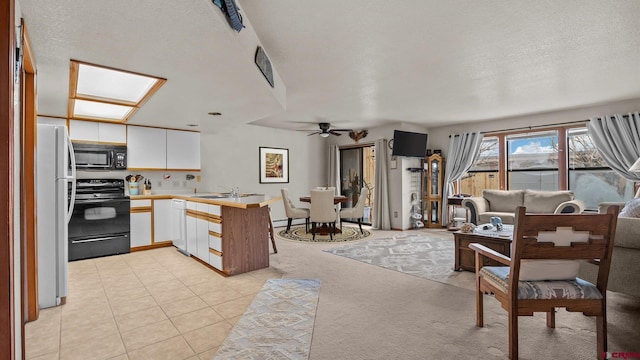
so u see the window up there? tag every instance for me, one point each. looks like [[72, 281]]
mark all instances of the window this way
[[485, 172], [532, 161], [535, 160], [590, 178]]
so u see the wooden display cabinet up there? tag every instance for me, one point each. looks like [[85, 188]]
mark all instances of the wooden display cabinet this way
[[432, 182]]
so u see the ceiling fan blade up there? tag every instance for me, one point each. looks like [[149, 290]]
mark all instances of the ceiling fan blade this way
[[341, 129], [333, 132], [313, 133]]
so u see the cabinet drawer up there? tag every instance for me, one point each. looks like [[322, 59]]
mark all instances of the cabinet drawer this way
[[140, 203], [191, 205], [215, 260], [202, 207], [215, 210], [215, 242], [215, 227]]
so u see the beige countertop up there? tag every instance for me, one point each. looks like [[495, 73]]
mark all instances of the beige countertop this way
[[244, 201]]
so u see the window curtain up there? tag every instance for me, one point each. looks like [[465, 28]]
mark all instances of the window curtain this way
[[463, 150], [618, 141], [381, 212], [334, 167]]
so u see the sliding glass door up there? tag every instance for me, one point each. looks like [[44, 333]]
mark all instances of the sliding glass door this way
[[357, 170]]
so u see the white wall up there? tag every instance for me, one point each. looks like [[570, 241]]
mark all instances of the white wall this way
[[229, 158]]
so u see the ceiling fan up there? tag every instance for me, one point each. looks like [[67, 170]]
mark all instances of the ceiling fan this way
[[326, 130]]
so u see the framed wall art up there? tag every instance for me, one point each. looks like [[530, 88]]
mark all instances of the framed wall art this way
[[274, 165]]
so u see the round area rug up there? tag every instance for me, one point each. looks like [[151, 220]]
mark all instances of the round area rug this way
[[348, 234]]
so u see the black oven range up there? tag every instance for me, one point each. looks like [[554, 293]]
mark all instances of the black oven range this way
[[100, 223]]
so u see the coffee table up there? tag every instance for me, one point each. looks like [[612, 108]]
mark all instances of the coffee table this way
[[465, 258]]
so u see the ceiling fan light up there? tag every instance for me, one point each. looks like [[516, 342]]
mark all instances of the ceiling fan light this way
[[324, 135]]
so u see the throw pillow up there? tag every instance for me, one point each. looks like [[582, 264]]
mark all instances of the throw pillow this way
[[631, 209], [534, 270], [503, 200]]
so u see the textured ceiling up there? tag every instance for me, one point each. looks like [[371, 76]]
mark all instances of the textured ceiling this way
[[355, 63]]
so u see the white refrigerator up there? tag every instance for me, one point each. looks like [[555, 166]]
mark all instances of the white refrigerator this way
[[56, 185]]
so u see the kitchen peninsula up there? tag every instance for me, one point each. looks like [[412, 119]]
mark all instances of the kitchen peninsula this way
[[229, 234]]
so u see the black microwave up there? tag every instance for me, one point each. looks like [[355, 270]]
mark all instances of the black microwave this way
[[100, 156]]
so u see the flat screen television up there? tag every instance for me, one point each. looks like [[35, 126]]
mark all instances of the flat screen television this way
[[409, 144]]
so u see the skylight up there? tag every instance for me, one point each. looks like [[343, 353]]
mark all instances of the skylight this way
[[102, 93], [94, 109]]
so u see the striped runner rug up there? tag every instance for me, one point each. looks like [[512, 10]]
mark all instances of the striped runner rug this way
[[277, 325]]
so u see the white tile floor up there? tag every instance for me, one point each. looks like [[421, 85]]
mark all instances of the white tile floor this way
[[154, 304]]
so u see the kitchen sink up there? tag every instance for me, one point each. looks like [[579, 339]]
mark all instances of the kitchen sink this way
[[221, 196]]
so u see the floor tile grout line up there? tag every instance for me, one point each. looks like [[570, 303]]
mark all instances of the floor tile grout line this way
[[165, 263], [164, 311], [114, 316]]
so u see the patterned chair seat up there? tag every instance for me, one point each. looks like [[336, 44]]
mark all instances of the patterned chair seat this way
[[549, 289]]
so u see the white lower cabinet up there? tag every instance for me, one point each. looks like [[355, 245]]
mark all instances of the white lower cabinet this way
[[192, 234], [204, 229], [140, 229], [163, 226], [215, 260], [215, 243]]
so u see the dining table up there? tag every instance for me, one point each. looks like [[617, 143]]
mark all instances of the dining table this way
[[324, 229]]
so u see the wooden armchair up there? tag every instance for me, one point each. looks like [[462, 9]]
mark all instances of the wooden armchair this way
[[540, 275]]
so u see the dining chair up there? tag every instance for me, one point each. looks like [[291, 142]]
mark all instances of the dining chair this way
[[323, 211], [333, 188], [541, 274], [292, 211], [356, 212]]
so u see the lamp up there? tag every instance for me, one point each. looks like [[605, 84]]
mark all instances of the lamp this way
[[636, 168], [324, 134]]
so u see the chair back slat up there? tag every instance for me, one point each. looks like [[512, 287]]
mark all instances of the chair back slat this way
[[577, 251]]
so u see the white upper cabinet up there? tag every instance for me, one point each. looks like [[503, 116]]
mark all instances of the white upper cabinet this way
[[183, 150], [114, 133], [97, 131], [146, 148], [153, 148]]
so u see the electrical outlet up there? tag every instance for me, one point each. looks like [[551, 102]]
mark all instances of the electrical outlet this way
[[198, 178], [395, 214]]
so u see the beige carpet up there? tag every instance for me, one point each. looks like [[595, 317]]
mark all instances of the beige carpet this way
[[369, 312]]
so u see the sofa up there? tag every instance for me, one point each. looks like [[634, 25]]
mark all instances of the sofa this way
[[624, 273], [503, 203]]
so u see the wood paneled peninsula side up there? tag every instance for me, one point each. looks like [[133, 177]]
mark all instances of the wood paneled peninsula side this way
[[228, 234]]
